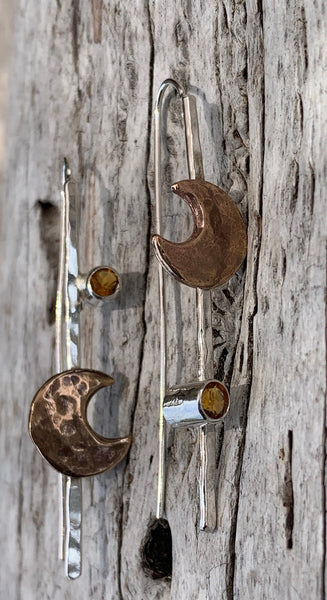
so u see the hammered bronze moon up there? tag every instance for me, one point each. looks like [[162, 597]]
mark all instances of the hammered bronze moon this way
[[58, 425], [217, 246]]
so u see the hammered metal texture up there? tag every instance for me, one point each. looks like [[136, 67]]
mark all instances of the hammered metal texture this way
[[59, 427], [217, 246]]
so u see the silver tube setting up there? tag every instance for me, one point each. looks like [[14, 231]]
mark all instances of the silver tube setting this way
[[196, 403]]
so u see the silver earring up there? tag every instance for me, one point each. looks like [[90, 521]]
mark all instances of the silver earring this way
[[213, 253], [57, 422]]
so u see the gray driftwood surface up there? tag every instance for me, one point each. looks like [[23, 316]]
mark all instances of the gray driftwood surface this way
[[84, 75]]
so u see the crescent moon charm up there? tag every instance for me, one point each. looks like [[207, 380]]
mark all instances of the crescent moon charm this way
[[217, 246], [59, 428]]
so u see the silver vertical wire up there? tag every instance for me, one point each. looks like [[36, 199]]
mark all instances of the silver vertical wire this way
[[67, 340], [59, 346], [161, 489]]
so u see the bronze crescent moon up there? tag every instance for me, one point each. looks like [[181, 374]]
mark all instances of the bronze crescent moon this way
[[59, 428], [217, 246]]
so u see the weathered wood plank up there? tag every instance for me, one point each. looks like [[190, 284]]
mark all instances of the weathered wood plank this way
[[75, 102], [83, 80], [280, 537]]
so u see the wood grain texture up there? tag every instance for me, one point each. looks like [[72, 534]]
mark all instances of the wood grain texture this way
[[83, 79]]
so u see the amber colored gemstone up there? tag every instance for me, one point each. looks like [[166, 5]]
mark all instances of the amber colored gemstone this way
[[104, 282], [215, 400]]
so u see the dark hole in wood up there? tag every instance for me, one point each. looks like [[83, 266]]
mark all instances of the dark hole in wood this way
[[290, 511], [288, 495], [157, 550], [49, 223]]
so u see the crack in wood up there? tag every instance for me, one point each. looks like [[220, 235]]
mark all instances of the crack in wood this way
[[97, 7], [126, 478], [230, 568], [19, 533], [288, 495], [294, 184], [120, 537], [49, 238], [324, 468], [312, 188], [74, 30]]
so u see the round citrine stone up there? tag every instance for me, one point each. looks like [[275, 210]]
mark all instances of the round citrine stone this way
[[104, 282], [215, 400]]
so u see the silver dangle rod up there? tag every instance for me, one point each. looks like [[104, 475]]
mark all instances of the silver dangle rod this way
[[67, 357], [60, 317]]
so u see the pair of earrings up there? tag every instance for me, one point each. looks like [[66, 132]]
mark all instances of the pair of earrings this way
[[58, 424]]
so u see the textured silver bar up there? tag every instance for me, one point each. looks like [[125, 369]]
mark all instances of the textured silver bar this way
[[73, 505], [60, 345], [62, 515], [67, 356], [73, 527]]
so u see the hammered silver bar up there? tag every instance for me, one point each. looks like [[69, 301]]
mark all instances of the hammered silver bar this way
[[67, 356], [73, 527]]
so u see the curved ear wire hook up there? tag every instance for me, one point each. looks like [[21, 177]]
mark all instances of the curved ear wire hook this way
[[216, 218], [58, 423]]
